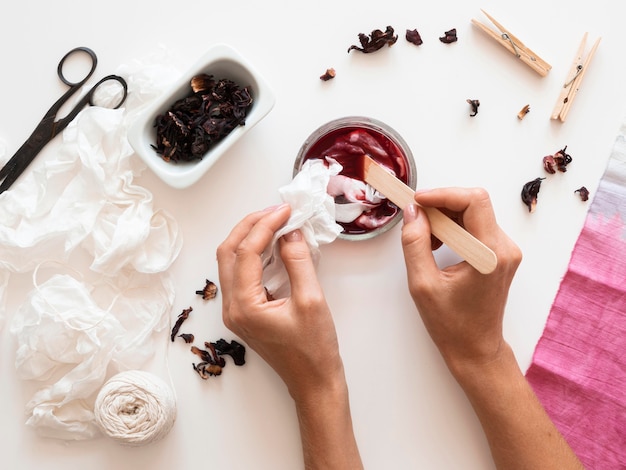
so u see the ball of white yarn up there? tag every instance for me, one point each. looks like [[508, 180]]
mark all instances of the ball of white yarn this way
[[135, 408]]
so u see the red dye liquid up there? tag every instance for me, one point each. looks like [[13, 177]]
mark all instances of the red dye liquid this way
[[348, 145]]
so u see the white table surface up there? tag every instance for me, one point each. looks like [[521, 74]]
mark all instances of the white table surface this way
[[408, 412]]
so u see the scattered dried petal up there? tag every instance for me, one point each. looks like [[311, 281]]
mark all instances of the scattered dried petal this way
[[202, 354], [583, 192], [474, 104], [449, 36], [209, 355], [375, 41], [529, 193], [523, 112], [562, 159], [558, 161], [187, 337], [209, 291], [413, 36], [206, 370], [549, 164], [328, 75], [179, 321], [233, 349]]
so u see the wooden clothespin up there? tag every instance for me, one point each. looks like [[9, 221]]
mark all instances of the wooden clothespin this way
[[574, 79], [516, 47]]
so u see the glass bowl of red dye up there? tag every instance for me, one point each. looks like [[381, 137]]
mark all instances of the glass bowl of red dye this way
[[362, 212]]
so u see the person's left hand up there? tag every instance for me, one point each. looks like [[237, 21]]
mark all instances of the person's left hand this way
[[294, 335]]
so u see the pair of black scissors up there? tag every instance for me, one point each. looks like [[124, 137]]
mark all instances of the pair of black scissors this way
[[49, 127]]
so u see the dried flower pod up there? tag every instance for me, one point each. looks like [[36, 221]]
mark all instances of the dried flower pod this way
[[209, 291], [474, 104], [179, 321], [328, 75], [449, 36], [562, 159], [529, 193], [375, 41], [549, 164], [414, 37], [523, 112], [558, 161], [583, 192], [202, 82]]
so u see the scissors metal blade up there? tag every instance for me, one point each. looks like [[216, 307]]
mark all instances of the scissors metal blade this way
[[26, 153]]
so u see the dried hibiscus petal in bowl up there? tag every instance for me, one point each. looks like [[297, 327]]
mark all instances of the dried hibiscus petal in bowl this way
[[195, 123]]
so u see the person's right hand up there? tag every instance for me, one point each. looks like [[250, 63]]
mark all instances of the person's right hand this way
[[461, 308]]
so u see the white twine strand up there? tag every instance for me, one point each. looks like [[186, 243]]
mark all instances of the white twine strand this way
[[135, 408]]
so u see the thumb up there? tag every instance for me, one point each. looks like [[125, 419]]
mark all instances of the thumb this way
[[296, 256], [417, 246]]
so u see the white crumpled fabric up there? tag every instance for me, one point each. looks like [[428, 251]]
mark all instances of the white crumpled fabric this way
[[67, 342], [82, 197], [312, 211]]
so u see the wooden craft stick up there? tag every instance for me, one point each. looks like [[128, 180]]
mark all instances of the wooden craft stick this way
[[445, 229]]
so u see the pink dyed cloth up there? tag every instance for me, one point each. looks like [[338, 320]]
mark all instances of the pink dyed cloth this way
[[578, 369]]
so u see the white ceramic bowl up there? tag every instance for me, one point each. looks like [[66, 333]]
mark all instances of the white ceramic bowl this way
[[221, 61]]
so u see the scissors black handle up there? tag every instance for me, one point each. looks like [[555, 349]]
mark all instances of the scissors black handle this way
[[49, 126]]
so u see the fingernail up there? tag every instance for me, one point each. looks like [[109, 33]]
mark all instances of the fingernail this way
[[422, 191], [293, 236], [275, 207], [410, 213]]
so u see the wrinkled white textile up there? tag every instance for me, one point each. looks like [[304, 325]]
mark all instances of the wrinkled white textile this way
[[81, 195], [84, 195], [67, 341], [312, 211]]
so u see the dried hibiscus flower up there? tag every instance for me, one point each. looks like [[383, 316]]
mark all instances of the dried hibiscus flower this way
[[583, 193], [179, 321], [449, 36], [474, 104], [529, 193], [558, 161], [211, 364], [328, 75], [413, 36], [187, 337], [197, 122], [211, 357], [233, 349], [375, 41], [209, 291]]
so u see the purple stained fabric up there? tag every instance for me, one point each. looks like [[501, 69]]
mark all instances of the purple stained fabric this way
[[578, 369]]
